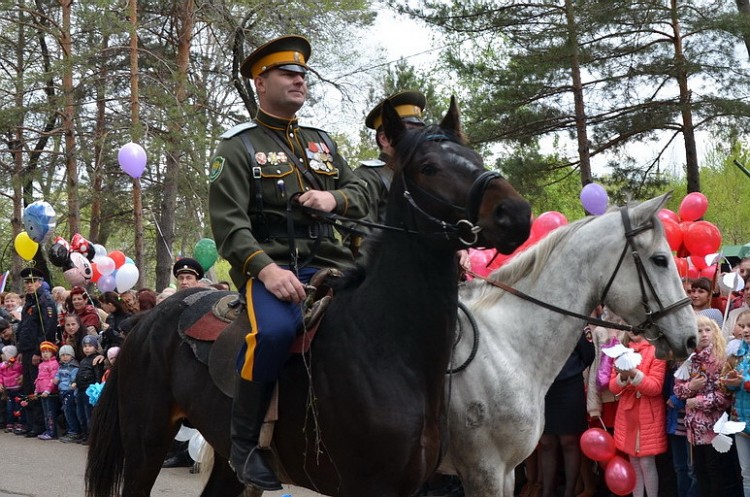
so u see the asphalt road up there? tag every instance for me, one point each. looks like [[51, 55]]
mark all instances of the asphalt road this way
[[35, 468]]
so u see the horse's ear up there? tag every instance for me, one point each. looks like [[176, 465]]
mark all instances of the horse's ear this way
[[648, 209], [452, 119], [393, 126]]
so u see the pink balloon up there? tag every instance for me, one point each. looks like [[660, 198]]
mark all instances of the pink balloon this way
[[597, 445], [479, 260], [667, 214], [620, 476], [693, 206], [132, 159], [546, 222]]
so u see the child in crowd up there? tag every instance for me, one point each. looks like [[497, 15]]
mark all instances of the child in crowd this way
[[73, 333], [45, 387], [7, 336], [117, 312], [111, 357], [11, 378], [640, 429], [64, 379], [88, 374], [705, 402], [737, 380], [13, 305]]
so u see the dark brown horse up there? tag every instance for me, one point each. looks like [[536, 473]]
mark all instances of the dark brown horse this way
[[360, 414]]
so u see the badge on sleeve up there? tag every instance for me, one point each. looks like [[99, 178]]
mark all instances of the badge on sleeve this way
[[216, 167]]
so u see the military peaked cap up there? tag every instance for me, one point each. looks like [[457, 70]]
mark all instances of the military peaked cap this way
[[408, 104], [290, 53], [31, 273], [186, 265]]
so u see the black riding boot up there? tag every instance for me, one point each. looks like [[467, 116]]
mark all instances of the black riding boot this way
[[251, 399]]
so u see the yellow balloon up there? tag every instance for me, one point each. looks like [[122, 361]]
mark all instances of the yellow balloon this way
[[25, 246]]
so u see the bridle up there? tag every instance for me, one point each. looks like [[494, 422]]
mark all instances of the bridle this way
[[464, 230], [649, 328]]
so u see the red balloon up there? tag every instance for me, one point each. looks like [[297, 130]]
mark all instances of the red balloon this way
[[698, 263], [709, 272], [95, 274], [673, 233], [702, 238], [667, 214], [546, 222], [620, 476], [693, 206], [118, 257], [682, 266], [693, 273], [597, 445]]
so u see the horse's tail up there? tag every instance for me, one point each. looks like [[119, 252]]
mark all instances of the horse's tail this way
[[104, 464]]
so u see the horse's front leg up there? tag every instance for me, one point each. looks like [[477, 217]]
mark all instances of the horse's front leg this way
[[223, 482], [145, 451]]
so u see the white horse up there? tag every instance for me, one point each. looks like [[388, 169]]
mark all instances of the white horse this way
[[496, 404]]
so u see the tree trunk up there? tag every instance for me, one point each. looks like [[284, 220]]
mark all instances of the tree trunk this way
[[688, 130], [71, 168], [580, 111], [175, 141], [100, 167], [136, 132], [743, 6]]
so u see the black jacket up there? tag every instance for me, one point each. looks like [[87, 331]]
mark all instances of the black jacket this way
[[38, 321]]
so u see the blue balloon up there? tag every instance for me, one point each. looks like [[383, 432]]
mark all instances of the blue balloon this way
[[39, 220], [128, 260]]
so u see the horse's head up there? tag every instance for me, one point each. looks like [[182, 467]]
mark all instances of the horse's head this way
[[647, 269], [443, 187]]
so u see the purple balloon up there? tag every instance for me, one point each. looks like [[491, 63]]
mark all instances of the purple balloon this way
[[106, 283], [594, 199], [132, 159]]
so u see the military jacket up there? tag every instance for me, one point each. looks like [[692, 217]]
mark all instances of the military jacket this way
[[38, 321], [378, 177], [252, 174]]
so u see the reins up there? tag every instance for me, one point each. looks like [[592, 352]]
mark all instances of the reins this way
[[644, 281]]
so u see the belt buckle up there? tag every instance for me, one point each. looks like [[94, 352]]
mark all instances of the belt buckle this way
[[313, 231], [256, 172]]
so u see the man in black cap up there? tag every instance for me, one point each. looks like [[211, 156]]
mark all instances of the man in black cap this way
[[38, 324], [188, 272], [257, 169]]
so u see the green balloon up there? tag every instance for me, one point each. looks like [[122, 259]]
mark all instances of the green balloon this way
[[205, 253]]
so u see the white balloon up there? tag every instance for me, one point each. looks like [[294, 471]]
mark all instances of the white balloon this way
[[195, 446], [185, 433], [711, 259], [99, 250], [731, 282], [126, 277], [105, 265]]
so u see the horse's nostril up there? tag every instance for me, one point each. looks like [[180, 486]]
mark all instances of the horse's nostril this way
[[691, 343]]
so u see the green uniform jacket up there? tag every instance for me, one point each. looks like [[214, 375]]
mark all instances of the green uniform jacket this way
[[378, 178], [235, 177]]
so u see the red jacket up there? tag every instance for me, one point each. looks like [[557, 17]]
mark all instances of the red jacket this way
[[640, 424]]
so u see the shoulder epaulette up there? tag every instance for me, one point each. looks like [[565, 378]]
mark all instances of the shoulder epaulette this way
[[373, 163], [236, 130]]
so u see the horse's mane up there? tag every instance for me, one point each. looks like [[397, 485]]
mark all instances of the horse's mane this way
[[533, 260]]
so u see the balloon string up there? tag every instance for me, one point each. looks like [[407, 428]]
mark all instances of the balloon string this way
[[158, 228]]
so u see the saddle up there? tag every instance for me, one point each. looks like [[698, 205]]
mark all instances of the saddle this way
[[214, 324]]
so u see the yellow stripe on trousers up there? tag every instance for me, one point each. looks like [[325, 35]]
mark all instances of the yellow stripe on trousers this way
[[251, 339]]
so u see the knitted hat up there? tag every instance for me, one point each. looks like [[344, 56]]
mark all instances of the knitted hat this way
[[112, 352], [90, 340], [10, 351], [48, 346], [67, 349]]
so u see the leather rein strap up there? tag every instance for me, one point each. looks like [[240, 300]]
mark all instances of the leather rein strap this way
[[651, 316]]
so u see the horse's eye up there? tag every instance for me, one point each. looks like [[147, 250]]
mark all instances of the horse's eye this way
[[660, 260], [428, 169]]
